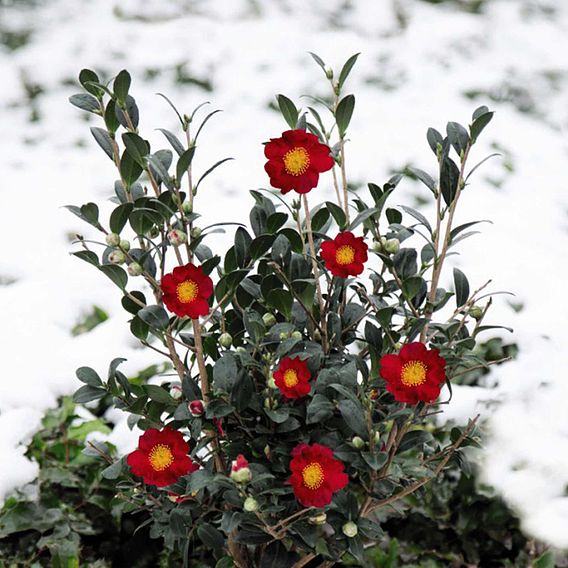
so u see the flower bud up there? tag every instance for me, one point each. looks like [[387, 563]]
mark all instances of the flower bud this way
[[175, 392], [377, 437], [350, 529], [124, 244], [177, 237], [271, 383], [378, 245], [267, 452], [187, 207], [270, 404], [357, 442], [195, 233], [240, 471], [318, 519], [317, 335], [250, 505], [268, 319], [241, 349], [398, 345], [329, 72], [392, 246], [112, 240], [196, 408], [296, 335], [283, 335], [153, 232], [476, 312], [135, 269], [225, 339], [116, 257], [374, 394]]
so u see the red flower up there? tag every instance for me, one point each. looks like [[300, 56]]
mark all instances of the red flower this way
[[345, 255], [316, 475], [416, 374], [161, 458], [240, 463], [186, 291], [296, 160], [292, 377], [196, 408]]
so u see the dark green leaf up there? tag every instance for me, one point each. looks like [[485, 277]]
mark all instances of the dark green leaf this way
[[85, 102], [87, 76], [405, 262], [155, 316], [418, 216], [318, 60], [103, 140], [119, 217], [458, 137], [320, 219], [344, 113], [288, 110], [462, 287], [88, 376], [319, 409], [425, 178], [121, 86], [449, 177], [116, 274], [137, 147], [158, 394], [337, 213], [282, 301], [434, 139], [352, 413], [88, 256], [173, 140], [346, 70], [130, 170], [88, 393], [480, 122], [184, 162]]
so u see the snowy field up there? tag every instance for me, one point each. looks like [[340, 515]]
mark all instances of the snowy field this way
[[421, 65]]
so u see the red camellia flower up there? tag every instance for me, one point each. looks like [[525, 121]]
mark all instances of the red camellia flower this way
[[186, 291], [292, 377], [416, 374], [295, 161], [161, 458], [344, 256], [316, 475]]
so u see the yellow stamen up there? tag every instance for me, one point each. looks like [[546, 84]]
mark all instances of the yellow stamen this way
[[187, 291], [345, 254], [290, 378], [296, 161], [160, 457], [313, 476], [413, 373]]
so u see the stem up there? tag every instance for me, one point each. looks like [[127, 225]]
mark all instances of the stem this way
[[344, 178], [315, 268]]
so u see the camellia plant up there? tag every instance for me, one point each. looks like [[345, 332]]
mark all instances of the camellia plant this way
[[306, 364]]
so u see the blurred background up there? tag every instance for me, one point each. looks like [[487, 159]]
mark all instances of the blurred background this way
[[422, 63]]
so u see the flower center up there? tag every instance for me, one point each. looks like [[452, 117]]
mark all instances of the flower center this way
[[290, 378], [413, 373], [313, 476], [345, 254], [187, 291], [160, 457], [296, 161]]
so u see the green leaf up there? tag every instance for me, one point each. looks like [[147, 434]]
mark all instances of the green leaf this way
[[344, 113], [319, 409], [288, 110], [425, 178], [137, 147], [462, 287], [480, 122], [211, 169], [210, 536], [295, 240], [282, 301], [318, 60], [457, 136], [111, 122], [275, 221], [173, 140], [418, 216], [338, 214], [320, 219], [88, 393], [155, 316], [434, 139], [88, 376], [225, 372], [363, 216], [352, 413], [85, 102], [241, 394], [545, 560], [449, 177], [87, 76], [114, 470], [130, 170], [159, 394], [184, 162], [119, 217], [121, 86], [116, 274], [90, 212], [346, 69], [103, 140], [405, 262]]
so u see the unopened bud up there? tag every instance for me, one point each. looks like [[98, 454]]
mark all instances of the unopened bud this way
[[374, 394], [357, 442], [240, 471], [476, 312], [398, 345], [187, 207], [268, 319], [392, 246], [112, 240], [195, 233], [350, 529], [270, 404], [317, 335], [377, 437], [196, 408], [318, 519], [225, 340], [296, 335], [116, 257], [271, 383], [283, 335], [378, 246], [250, 505], [175, 392], [267, 452], [135, 269], [329, 72], [153, 232], [124, 244], [177, 237]]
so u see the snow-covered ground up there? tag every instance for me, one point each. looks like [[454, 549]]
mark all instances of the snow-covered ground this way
[[421, 65]]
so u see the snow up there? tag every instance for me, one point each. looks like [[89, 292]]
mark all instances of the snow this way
[[418, 63]]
